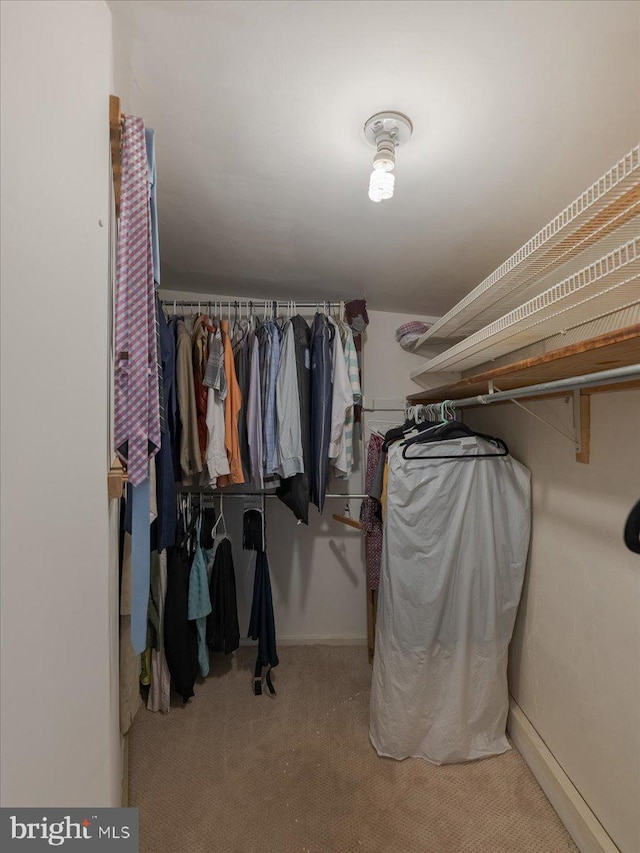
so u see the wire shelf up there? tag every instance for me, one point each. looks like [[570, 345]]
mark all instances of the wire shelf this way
[[609, 284], [595, 216]]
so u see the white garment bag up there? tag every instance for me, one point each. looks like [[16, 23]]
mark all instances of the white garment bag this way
[[456, 537]]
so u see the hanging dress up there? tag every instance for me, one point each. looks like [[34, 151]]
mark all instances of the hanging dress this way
[[456, 537]]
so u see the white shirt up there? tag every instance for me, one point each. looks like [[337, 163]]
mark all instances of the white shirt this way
[[217, 460], [342, 400]]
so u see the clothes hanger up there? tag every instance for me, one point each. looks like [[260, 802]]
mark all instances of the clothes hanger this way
[[346, 518], [451, 430], [219, 519]]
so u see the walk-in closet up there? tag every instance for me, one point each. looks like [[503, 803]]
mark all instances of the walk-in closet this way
[[320, 410]]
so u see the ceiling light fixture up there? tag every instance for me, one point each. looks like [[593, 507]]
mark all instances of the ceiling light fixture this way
[[385, 132]]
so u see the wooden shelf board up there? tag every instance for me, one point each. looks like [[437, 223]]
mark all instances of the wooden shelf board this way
[[605, 352]]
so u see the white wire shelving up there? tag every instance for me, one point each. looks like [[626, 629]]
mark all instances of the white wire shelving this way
[[609, 284], [598, 221]]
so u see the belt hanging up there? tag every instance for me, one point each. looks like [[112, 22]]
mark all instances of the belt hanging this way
[[257, 679]]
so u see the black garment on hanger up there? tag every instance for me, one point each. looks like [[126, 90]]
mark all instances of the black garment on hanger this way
[[223, 630], [321, 398], [164, 528], [180, 637], [262, 626], [294, 491]]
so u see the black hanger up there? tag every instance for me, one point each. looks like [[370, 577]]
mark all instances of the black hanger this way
[[399, 432], [453, 429], [632, 530]]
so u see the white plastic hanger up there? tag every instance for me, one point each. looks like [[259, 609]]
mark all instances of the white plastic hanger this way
[[219, 519]]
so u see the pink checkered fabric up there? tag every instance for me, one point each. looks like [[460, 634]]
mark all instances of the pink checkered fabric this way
[[136, 404], [371, 524]]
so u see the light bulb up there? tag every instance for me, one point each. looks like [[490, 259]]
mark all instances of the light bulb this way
[[384, 161], [381, 185]]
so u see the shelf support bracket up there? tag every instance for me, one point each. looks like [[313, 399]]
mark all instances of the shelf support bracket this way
[[581, 421]]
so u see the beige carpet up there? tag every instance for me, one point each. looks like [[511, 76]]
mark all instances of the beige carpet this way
[[236, 773]]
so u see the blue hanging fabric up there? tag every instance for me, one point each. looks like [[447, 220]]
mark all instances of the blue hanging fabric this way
[[140, 562], [262, 625]]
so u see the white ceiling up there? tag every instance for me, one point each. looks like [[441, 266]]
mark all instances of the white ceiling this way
[[263, 171]]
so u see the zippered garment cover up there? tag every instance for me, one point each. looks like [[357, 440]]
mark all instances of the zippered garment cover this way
[[456, 537]]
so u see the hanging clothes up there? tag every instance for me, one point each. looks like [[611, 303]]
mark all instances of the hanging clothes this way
[[456, 537], [321, 396], [171, 399], [129, 660], [369, 516], [136, 389], [288, 408], [199, 600], [180, 635], [232, 406], [200, 344], [215, 376], [341, 401], [262, 625], [294, 491], [163, 530], [190, 458], [357, 319], [159, 698], [136, 402], [150, 144], [269, 413], [253, 526], [223, 631], [254, 414], [215, 380], [344, 461], [240, 348]]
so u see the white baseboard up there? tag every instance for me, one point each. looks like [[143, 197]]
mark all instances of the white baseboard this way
[[584, 827]]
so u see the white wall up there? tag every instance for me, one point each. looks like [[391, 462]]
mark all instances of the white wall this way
[[574, 659], [317, 572], [60, 742]]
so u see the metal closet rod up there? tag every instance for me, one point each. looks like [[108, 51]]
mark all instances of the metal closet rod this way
[[604, 377], [256, 303]]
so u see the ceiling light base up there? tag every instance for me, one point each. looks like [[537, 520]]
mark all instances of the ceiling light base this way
[[390, 124]]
